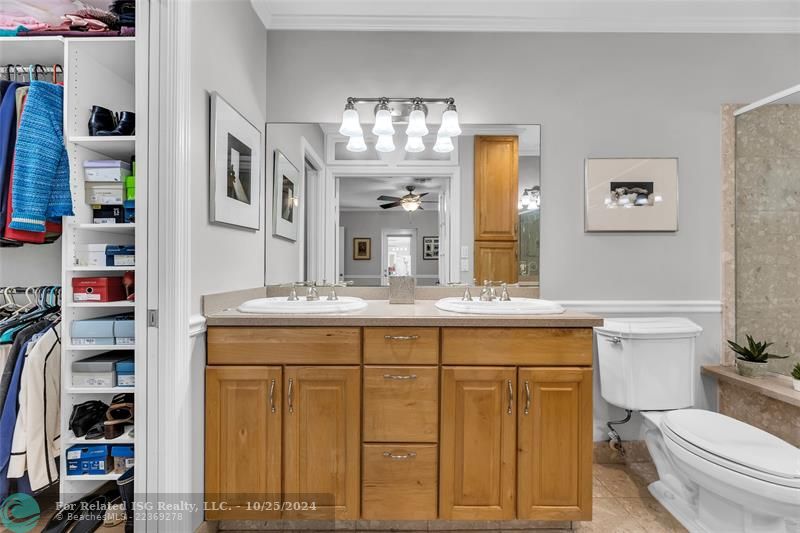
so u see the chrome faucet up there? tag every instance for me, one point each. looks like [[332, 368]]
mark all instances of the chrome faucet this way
[[312, 295], [332, 297], [467, 297], [487, 292], [504, 296]]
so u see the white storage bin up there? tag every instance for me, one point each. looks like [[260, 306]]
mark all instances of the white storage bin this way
[[90, 255]]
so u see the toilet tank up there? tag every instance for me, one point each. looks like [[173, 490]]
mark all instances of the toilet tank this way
[[648, 364]]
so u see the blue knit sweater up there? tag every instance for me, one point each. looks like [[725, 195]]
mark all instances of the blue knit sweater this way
[[41, 165]]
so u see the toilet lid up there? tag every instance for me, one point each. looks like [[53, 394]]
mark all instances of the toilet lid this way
[[735, 441], [650, 327]]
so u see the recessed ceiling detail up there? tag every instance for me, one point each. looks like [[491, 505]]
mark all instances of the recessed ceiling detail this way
[[620, 16]]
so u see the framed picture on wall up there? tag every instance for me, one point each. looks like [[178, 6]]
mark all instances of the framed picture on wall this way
[[430, 248], [235, 167], [285, 198], [631, 194], [362, 249]]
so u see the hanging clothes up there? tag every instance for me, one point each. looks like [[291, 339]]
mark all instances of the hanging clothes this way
[[41, 166], [8, 137]]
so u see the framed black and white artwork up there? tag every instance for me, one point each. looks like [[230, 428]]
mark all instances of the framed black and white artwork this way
[[235, 167], [285, 198], [631, 195], [430, 248]]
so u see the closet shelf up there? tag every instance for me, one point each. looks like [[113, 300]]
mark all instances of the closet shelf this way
[[108, 228], [121, 147], [99, 390], [97, 347], [101, 268], [122, 439], [99, 305], [90, 477]]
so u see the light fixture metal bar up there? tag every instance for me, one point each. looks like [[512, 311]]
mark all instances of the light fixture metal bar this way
[[360, 100]]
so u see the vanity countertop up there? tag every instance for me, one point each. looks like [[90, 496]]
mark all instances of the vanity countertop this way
[[421, 313]]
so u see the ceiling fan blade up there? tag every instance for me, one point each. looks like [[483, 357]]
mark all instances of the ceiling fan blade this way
[[393, 204], [429, 201], [422, 194], [385, 198]]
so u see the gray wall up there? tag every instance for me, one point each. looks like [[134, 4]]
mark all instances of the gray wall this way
[[284, 258], [594, 95], [229, 45], [370, 223]]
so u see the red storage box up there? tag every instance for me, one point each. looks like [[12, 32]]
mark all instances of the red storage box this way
[[97, 290]]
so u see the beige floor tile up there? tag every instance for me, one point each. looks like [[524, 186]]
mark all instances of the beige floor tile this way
[[625, 525], [643, 473], [610, 472], [599, 490], [626, 488], [651, 514]]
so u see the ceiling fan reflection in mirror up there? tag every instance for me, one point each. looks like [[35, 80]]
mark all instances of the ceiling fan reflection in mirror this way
[[410, 202]]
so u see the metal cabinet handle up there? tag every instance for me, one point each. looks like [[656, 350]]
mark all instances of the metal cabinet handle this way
[[401, 337], [527, 398], [289, 395], [399, 376], [272, 396], [400, 457], [510, 397]]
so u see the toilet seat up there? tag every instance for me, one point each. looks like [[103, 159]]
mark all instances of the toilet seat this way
[[734, 445]]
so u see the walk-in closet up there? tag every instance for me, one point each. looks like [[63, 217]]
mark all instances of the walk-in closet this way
[[72, 268]]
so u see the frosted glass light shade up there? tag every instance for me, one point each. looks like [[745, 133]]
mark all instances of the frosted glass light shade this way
[[383, 123], [410, 206], [356, 144], [351, 126], [415, 144], [450, 126], [443, 145], [385, 143], [416, 124]]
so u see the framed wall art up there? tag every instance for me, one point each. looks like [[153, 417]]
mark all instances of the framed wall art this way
[[235, 167], [631, 194], [362, 249], [285, 198], [430, 248]]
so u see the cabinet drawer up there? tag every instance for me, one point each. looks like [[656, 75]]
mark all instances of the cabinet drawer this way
[[399, 482], [276, 346], [401, 403], [517, 346], [397, 346]]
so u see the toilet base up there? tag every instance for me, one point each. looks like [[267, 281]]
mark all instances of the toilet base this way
[[677, 507]]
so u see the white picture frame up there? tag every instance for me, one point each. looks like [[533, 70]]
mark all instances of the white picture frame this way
[[285, 198], [631, 195], [235, 164]]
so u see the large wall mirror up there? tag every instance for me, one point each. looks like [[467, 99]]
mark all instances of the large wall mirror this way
[[462, 216]]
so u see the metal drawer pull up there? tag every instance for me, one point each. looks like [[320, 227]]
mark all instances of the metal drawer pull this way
[[401, 337], [398, 376], [510, 397], [272, 396], [527, 398], [291, 403], [400, 457]]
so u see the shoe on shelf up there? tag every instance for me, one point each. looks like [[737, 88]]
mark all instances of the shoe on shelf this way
[[101, 119], [126, 125]]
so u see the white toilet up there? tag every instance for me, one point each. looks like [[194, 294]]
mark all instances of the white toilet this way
[[716, 474]]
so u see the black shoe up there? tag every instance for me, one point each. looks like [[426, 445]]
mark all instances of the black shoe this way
[[125, 484], [125, 126], [101, 119]]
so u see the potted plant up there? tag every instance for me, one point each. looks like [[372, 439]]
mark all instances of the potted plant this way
[[751, 360], [796, 377]]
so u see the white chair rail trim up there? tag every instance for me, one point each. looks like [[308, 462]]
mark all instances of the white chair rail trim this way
[[644, 306]]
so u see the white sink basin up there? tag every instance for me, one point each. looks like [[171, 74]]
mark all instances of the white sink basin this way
[[279, 305], [517, 306]]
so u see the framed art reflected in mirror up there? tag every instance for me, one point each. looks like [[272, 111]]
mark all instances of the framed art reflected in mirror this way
[[285, 198]]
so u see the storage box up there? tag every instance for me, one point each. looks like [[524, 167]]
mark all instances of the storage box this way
[[102, 289], [126, 373], [130, 188], [106, 170], [107, 330], [101, 193], [120, 256], [98, 371], [89, 459], [129, 207], [91, 254], [108, 214], [123, 458]]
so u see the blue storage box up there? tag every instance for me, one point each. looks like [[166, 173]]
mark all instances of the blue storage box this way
[[129, 208], [126, 374], [120, 255], [105, 331], [90, 459], [123, 458]]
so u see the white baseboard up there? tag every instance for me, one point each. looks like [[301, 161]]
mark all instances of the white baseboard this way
[[635, 307]]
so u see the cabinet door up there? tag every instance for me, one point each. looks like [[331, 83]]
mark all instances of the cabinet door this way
[[322, 440], [243, 439], [477, 457], [555, 444], [496, 188], [496, 261]]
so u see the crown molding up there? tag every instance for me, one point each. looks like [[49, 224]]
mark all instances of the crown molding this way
[[581, 16]]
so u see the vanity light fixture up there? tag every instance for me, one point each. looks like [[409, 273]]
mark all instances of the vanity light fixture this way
[[531, 198], [414, 145], [384, 127]]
